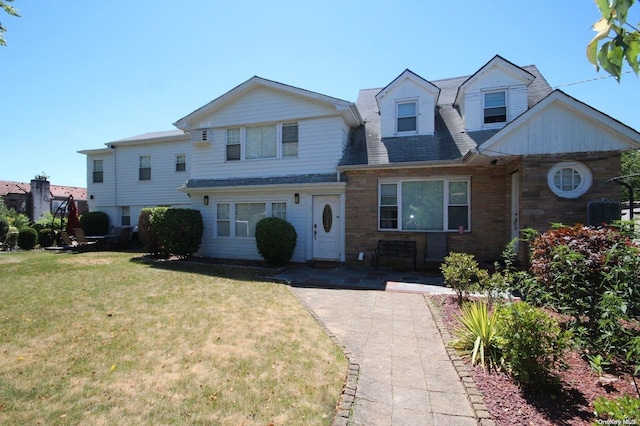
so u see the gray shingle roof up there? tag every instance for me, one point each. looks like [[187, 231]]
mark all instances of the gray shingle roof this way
[[450, 142], [275, 180]]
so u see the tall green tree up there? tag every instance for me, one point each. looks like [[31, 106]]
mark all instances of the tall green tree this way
[[617, 41], [4, 4]]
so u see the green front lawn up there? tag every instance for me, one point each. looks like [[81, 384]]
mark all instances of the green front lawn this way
[[107, 338]]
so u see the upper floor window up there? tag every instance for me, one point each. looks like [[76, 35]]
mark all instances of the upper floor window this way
[[98, 172], [290, 139], [181, 163], [233, 144], [144, 172], [495, 107], [264, 141], [407, 117]]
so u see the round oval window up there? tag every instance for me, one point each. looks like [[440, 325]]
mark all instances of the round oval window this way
[[327, 218]]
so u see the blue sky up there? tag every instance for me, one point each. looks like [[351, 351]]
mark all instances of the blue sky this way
[[77, 74]]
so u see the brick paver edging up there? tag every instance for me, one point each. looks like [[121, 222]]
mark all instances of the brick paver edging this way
[[473, 393], [348, 396]]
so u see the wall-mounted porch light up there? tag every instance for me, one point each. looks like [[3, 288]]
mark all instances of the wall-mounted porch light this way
[[206, 200], [296, 198]]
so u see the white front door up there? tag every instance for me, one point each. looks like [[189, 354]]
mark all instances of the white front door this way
[[326, 227]]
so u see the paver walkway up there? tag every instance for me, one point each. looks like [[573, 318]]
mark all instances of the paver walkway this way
[[406, 376]]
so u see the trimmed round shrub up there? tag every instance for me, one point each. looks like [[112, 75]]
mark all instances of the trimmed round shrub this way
[[27, 238], [45, 237], [276, 239], [95, 223], [11, 240], [4, 228], [146, 234], [179, 230]]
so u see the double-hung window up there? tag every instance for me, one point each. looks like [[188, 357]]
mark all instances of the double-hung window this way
[[424, 205], [407, 117], [239, 219], [125, 215], [263, 141], [290, 139], [233, 144], [144, 172], [181, 163], [98, 171], [495, 107]]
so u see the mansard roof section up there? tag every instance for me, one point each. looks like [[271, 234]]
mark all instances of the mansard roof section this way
[[497, 62], [347, 109], [562, 116], [408, 75]]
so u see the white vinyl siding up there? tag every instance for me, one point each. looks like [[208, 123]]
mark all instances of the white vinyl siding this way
[[320, 147], [395, 111]]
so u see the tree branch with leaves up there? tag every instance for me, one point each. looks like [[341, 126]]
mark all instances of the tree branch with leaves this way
[[12, 11], [620, 39]]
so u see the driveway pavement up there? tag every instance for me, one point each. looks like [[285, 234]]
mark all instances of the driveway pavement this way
[[401, 373]]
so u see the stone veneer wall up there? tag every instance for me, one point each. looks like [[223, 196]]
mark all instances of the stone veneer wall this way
[[490, 204], [540, 206], [489, 212]]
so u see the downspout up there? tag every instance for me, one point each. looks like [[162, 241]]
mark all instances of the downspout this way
[[115, 182]]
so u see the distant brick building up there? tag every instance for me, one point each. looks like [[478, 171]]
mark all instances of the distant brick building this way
[[39, 196]]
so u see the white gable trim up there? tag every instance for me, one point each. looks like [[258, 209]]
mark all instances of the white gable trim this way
[[497, 62], [495, 145], [347, 109], [409, 75]]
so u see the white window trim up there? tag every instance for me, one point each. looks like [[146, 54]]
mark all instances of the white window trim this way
[[445, 204], [406, 101], [586, 179], [279, 148], [506, 106], [232, 215]]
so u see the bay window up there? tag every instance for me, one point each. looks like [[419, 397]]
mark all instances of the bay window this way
[[424, 205]]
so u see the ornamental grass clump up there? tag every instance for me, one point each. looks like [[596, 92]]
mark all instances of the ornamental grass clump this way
[[479, 335]]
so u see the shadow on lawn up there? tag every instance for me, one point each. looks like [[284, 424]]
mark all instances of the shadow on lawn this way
[[236, 270]]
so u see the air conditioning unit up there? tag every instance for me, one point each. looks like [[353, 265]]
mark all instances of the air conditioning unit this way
[[200, 136]]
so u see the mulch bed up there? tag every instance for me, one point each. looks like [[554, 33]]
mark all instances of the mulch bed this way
[[570, 403]]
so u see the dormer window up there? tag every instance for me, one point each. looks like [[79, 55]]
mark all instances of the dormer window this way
[[407, 117], [495, 107]]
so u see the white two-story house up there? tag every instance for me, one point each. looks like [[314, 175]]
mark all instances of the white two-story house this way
[[477, 158]]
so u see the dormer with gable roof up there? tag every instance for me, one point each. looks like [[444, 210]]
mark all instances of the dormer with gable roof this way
[[494, 96], [407, 106]]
